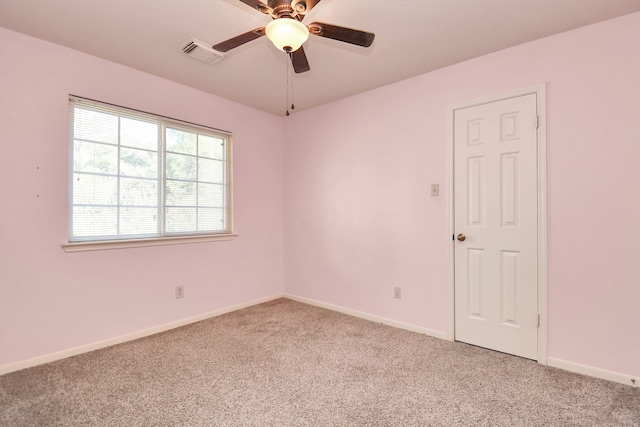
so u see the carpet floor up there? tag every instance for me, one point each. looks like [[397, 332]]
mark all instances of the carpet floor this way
[[284, 363]]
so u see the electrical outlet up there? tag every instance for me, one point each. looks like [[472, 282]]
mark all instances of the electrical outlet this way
[[179, 291], [397, 292], [435, 190]]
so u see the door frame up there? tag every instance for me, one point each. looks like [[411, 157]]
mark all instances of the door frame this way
[[540, 92]]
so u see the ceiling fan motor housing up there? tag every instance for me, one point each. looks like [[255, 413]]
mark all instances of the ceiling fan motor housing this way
[[288, 7]]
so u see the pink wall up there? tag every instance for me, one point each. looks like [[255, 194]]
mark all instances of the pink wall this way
[[51, 300], [359, 218]]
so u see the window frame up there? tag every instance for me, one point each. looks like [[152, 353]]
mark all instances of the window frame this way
[[163, 237]]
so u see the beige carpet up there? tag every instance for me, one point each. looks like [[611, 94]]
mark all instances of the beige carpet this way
[[289, 364]]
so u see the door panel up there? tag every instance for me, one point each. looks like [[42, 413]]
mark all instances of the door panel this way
[[475, 282], [495, 203]]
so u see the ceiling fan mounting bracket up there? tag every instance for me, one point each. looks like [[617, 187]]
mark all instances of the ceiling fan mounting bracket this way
[[264, 9], [299, 6], [315, 28]]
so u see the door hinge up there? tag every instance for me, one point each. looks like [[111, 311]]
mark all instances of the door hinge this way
[[537, 122], [538, 325]]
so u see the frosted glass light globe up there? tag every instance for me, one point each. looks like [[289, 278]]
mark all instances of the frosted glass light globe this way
[[287, 34]]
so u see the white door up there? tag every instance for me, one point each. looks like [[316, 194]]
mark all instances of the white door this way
[[495, 225]]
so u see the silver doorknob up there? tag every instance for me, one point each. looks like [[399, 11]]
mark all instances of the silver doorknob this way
[[461, 237]]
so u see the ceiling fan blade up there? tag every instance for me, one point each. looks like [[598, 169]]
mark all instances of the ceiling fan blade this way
[[303, 6], [259, 6], [299, 61], [236, 41], [347, 35]]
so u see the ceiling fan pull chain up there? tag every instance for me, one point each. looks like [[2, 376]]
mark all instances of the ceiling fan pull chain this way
[[287, 71], [290, 73], [293, 107]]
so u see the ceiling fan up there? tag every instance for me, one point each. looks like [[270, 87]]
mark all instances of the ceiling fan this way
[[288, 33]]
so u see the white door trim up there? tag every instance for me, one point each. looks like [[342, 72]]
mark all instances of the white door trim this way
[[539, 91]]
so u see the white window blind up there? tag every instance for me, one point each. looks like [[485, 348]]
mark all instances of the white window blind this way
[[135, 175]]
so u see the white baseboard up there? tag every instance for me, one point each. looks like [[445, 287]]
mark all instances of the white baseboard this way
[[593, 372], [40, 360], [553, 362], [371, 317]]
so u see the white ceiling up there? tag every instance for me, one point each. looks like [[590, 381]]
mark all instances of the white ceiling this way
[[412, 38]]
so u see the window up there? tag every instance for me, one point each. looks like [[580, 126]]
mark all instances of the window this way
[[138, 176]]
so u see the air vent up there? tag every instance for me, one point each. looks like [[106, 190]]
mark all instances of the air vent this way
[[201, 51]]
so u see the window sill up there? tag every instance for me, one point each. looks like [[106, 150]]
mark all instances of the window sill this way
[[137, 243]]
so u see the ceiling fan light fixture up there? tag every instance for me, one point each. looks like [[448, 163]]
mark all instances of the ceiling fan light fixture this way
[[287, 34]]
